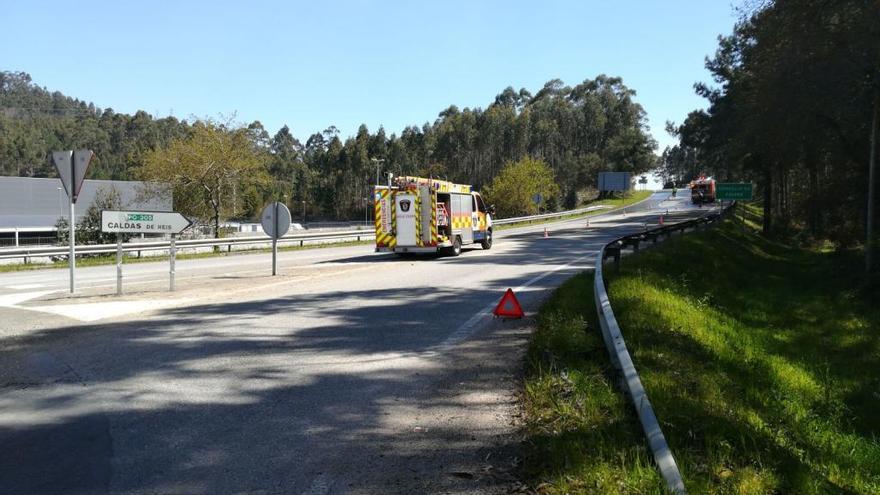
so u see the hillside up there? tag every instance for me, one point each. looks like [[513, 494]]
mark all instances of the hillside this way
[[578, 131]]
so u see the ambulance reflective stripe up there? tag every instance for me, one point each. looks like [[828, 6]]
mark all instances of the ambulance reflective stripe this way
[[434, 236], [418, 212], [393, 241], [382, 238], [461, 221]]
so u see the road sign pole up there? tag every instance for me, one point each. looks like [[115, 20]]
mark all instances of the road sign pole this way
[[171, 257], [275, 220], [72, 256], [118, 264], [274, 257], [275, 243]]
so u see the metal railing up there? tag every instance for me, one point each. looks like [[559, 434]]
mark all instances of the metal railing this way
[[619, 354], [355, 234], [228, 242], [545, 216]]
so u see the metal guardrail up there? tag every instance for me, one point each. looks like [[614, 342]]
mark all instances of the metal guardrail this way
[[182, 244], [358, 234], [544, 216], [620, 356]]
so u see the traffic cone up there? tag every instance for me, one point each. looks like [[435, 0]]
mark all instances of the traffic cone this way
[[546, 234]]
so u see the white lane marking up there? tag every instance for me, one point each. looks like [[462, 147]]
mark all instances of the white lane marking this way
[[89, 312], [467, 328], [24, 286], [11, 300]]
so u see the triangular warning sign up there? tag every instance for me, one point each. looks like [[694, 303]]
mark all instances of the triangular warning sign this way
[[508, 306]]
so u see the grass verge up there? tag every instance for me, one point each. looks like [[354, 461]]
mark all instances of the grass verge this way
[[762, 362], [633, 198], [580, 434]]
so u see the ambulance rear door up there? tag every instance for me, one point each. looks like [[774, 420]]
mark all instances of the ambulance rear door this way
[[462, 208], [405, 212]]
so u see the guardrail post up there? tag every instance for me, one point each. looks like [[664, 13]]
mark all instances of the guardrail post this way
[[616, 255], [16, 237], [118, 264], [171, 257]]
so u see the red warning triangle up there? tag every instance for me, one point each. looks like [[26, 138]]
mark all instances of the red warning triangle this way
[[508, 306]]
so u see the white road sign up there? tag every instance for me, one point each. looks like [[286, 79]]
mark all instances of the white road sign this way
[[143, 222]]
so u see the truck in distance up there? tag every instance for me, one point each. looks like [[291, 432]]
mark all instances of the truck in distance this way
[[702, 190]]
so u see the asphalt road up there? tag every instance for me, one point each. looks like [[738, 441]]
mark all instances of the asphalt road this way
[[352, 372]]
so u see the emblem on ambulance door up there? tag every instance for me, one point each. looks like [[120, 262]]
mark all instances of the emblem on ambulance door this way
[[404, 205]]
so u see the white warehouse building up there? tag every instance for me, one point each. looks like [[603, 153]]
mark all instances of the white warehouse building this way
[[31, 207]]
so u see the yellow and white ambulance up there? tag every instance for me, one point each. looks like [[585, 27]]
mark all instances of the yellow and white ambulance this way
[[420, 215]]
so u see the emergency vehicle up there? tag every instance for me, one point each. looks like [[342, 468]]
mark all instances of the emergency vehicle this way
[[702, 190], [419, 215]]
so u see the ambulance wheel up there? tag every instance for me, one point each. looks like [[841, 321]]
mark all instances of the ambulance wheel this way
[[455, 250], [487, 242]]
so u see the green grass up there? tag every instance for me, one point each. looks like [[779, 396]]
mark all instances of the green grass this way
[[110, 259], [630, 199], [581, 436], [762, 362]]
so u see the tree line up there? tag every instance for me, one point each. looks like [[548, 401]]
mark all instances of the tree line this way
[[794, 108], [575, 130]]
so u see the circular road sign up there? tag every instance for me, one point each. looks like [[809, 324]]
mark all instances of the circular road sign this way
[[275, 220]]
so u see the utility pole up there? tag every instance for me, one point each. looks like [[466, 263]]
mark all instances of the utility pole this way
[[378, 162]]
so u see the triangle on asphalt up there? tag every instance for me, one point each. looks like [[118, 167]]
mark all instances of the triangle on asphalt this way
[[508, 306]]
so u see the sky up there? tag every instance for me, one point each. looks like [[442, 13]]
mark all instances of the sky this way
[[313, 64]]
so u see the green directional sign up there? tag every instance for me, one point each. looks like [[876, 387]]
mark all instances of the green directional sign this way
[[733, 191]]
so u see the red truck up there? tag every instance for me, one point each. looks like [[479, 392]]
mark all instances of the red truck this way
[[702, 190]]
